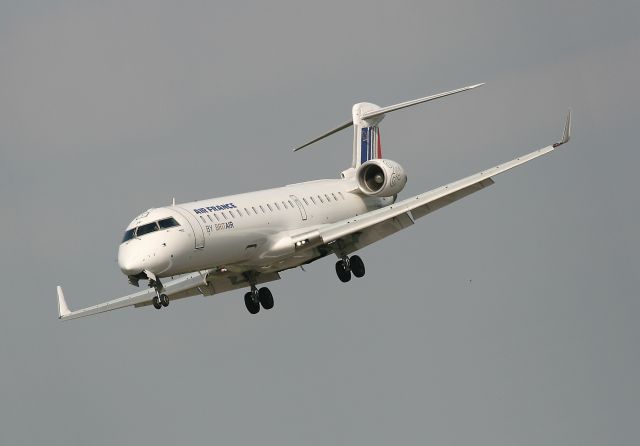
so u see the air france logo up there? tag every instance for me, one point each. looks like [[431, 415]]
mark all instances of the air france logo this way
[[220, 207]]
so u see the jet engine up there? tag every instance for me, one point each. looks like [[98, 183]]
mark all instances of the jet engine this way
[[381, 178]]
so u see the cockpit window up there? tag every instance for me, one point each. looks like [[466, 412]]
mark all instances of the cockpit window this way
[[129, 235], [168, 223], [145, 229], [150, 227]]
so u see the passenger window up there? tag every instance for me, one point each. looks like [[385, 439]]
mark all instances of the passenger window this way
[[254, 210], [202, 218], [168, 223], [262, 209], [291, 204], [247, 212], [334, 196], [285, 205], [327, 197], [216, 216], [209, 217], [320, 198], [341, 196], [276, 205], [225, 216], [145, 229], [312, 200], [269, 206], [232, 216]]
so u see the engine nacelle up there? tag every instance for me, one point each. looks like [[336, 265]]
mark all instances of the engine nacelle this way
[[381, 178]]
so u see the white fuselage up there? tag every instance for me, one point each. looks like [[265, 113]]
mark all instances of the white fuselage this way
[[227, 231]]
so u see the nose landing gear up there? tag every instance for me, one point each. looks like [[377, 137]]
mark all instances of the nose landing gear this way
[[160, 300]]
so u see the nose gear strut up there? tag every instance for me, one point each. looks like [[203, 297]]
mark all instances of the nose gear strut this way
[[160, 299]]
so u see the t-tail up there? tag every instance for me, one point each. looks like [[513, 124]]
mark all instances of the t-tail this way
[[366, 118]]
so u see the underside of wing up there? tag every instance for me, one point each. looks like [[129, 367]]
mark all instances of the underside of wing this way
[[351, 234], [205, 283]]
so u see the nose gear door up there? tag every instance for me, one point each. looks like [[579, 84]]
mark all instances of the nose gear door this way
[[303, 211], [196, 227]]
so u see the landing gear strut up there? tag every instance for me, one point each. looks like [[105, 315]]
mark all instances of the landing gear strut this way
[[257, 297], [160, 299], [348, 265]]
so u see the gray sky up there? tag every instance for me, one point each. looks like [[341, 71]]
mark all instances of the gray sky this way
[[509, 318]]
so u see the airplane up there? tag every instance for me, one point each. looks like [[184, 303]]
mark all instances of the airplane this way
[[212, 246]]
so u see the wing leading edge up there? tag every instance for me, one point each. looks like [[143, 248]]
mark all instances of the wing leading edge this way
[[355, 233], [206, 283]]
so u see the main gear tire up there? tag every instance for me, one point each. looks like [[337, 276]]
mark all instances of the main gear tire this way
[[357, 266], [266, 298], [343, 272], [253, 306]]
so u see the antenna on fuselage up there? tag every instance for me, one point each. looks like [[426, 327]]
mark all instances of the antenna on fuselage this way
[[173, 201]]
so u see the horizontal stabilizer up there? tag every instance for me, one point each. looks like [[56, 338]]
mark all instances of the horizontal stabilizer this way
[[346, 125], [391, 108], [378, 112]]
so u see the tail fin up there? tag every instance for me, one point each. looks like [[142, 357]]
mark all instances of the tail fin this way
[[366, 134]]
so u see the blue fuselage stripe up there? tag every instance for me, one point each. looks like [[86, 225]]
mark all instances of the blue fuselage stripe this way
[[364, 142]]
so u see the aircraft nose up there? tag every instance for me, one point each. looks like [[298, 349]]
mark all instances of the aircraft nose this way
[[129, 261], [128, 265]]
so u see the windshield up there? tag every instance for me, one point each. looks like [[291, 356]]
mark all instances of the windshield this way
[[168, 223], [131, 233], [165, 223], [145, 229]]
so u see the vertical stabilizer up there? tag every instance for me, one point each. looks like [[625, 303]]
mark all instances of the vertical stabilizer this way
[[367, 144]]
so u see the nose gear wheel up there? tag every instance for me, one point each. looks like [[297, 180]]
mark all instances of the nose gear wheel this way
[[159, 301]]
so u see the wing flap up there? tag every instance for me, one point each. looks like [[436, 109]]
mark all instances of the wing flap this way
[[356, 232], [434, 205]]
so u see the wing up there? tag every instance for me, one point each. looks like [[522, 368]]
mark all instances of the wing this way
[[206, 283], [349, 235]]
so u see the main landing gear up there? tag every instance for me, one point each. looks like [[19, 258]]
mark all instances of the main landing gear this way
[[258, 297], [348, 265]]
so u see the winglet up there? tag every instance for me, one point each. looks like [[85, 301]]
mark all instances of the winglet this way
[[63, 309], [566, 134]]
